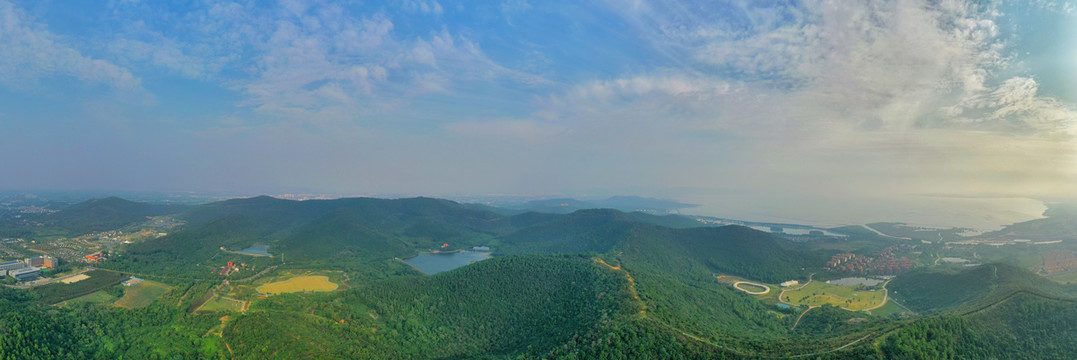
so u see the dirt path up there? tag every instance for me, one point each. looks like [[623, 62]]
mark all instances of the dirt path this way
[[801, 317], [631, 285]]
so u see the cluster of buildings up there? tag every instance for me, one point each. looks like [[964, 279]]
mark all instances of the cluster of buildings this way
[[132, 281], [1055, 262], [229, 268], [885, 262], [838, 260], [27, 269], [95, 257]]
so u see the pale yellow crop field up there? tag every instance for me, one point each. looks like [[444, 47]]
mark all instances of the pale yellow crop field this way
[[297, 284]]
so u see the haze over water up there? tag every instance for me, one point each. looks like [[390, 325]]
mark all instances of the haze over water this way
[[975, 213]]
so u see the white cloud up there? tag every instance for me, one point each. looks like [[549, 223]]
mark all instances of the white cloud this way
[[422, 6], [30, 51], [902, 95]]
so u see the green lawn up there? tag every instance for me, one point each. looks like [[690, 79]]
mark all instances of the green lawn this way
[[891, 307], [142, 294], [218, 303], [99, 297], [818, 293], [1068, 278]]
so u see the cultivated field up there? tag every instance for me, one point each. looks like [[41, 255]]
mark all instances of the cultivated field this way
[[818, 293], [142, 294], [298, 284]]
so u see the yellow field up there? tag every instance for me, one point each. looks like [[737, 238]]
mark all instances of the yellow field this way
[[818, 293], [297, 284]]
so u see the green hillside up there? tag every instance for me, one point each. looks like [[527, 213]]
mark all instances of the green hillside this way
[[935, 292], [504, 307], [1025, 325], [106, 214]]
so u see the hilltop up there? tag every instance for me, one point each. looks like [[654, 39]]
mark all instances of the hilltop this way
[[106, 214]]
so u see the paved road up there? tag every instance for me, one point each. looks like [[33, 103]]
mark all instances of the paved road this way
[[260, 273]]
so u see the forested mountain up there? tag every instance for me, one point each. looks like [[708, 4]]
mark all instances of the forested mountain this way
[[596, 283]]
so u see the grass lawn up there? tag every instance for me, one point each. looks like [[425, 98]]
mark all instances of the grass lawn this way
[[142, 294], [891, 307], [99, 297], [1068, 278], [297, 284], [219, 303], [818, 293]]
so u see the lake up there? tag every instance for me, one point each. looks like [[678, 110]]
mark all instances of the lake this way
[[854, 281], [256, 250], [433, 263], [796, 231]]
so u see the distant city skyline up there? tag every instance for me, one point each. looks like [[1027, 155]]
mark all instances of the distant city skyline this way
[[815, 110]]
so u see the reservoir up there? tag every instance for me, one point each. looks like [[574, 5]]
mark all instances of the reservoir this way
[[257, 250], [433, 263]]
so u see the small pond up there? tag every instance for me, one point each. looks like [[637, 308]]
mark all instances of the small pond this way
[[433, 263], [854, 281], [256, 250]]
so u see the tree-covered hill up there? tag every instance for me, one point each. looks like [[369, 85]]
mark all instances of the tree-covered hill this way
[[106, 214], [936, 292], [500, 308]]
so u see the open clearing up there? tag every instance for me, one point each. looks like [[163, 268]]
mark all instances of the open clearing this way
[[98, 297], [818, 293], [297, 284], [142, 294], [1067, 278], [74, 278], [221, 303]]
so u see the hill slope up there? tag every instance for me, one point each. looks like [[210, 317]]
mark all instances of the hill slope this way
[[935, 292], [107, 214]]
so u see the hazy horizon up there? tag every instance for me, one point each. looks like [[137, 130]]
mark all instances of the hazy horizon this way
[[953, 113]]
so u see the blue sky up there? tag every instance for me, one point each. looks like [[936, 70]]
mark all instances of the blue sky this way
[[767, 102]]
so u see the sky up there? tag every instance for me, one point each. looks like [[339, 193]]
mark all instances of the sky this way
[[832, 111]]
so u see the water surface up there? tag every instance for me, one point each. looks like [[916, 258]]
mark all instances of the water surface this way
[[433, 263], [257, 250]]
